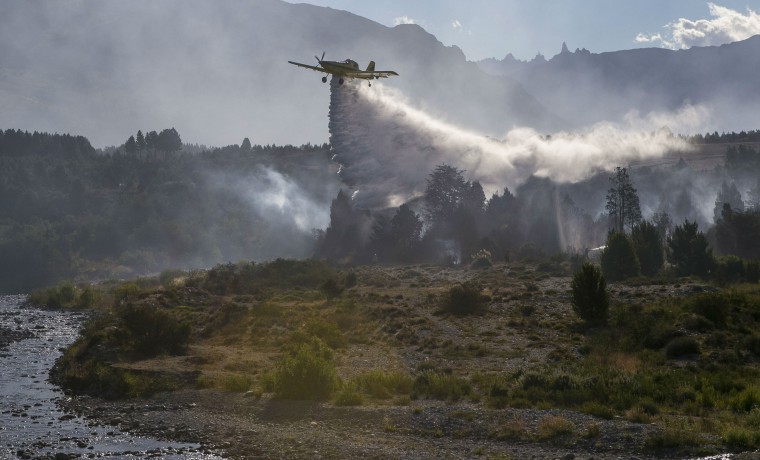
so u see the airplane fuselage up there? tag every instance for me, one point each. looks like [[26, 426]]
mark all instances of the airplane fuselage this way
[[347, 69], [343, 68]]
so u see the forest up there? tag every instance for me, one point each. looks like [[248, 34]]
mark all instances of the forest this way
[[70, 211]]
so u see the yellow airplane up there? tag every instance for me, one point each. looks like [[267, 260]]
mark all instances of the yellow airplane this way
[[347, 69]]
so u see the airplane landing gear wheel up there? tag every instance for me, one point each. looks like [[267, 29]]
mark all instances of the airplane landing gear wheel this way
[[370, 85], [340, 81], [324, 79]]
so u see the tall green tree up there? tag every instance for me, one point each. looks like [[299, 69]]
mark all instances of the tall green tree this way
[[619, 260], [406, 227], [140, 140], [689, 251], [664, 224], [131, 145], [648, 246], [168, 140], [623, 201], [728, 194], [151, 140], [446, 188]]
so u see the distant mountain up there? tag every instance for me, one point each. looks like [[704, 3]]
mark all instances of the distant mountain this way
[[586, 87], [217, 71]]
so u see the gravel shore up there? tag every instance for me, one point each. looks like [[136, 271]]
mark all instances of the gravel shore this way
[[245, 427]]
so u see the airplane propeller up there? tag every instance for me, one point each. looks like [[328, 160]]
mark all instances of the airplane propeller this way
[[322, 59]]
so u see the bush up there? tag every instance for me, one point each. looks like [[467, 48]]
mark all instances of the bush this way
[[331, 288], [481, 259], [440, 386], [328, 332], [713, 306], [464, 299], [552, 426], [150, 331], [682, 346], [125, 293], [748, 399], [62, 296], [383, 385], [349, 396], [619, 260], [590, 298], [306, 372], [729, 269]]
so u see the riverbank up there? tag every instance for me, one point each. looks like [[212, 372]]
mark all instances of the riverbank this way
[[403, 378]]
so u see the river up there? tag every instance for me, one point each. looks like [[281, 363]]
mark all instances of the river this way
[[32, 425]]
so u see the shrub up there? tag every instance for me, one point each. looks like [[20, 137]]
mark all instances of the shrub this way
[[553, 426], [383, 385], [481, 259], [328, 332], [741, 438], [331, 288], [125, 293], [349, 396], [236, 383], [440, 386], [748, 399], [681, 346], [350, 280], [729, 269], [464, 299], [87, 298], [619, 260], [150, 331], [590, 298], [306, 371], [168, 277], [61, 296], [713, 306]]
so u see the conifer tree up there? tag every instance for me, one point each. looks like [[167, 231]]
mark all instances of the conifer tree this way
[[623, 201]]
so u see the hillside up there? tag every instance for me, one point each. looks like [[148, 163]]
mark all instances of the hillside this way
[[296, 359], [609, 85], [218, 71]]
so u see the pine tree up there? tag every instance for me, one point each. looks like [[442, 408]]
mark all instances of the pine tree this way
[[619, 260], [648, 246], [140, 141], [689, 250], [590, 299], [729, 195], [444, 192], [130, 146], [623, 201]]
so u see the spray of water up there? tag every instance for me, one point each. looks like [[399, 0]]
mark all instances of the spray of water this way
[[387, 147]]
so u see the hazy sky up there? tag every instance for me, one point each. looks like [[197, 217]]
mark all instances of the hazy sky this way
[[493, 28]]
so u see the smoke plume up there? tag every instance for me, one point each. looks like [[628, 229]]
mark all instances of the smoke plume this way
[[387, 147]]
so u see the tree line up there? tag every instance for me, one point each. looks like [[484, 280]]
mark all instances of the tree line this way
[[70, 211]]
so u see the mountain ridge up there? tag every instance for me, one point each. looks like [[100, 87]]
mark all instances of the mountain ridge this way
[[218, 72], [609, 85]]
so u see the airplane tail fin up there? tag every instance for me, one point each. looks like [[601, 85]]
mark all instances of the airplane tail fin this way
[[371, 66]]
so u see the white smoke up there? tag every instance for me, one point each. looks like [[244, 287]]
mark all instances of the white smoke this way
[[277, 198], [388, 147]]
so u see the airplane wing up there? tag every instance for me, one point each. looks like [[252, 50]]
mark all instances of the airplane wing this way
[[306, 66], [372, 74]]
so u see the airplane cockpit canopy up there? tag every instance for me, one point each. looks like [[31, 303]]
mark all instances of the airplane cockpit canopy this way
[[351, 63]]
